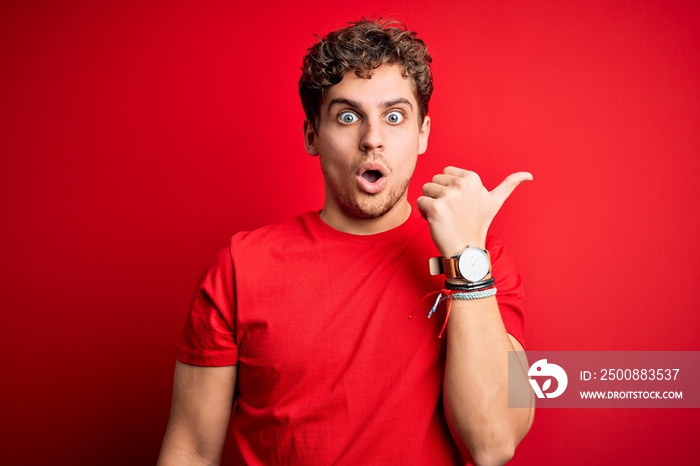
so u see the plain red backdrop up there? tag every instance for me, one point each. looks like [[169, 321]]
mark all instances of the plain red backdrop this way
[[135, 137]]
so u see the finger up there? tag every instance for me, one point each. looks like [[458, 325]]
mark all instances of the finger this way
[[424, 204], [501, 192], [456, 171], [433, 190], [444, 180], [468, 176]]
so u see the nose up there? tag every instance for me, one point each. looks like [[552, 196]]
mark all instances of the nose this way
[[372, 138]]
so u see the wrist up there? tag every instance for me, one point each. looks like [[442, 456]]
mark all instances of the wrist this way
[[462, 281], [476, 242], [457, 246], [456, 249]]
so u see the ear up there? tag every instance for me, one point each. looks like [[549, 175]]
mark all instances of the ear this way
[[310, 138], [423, 135]]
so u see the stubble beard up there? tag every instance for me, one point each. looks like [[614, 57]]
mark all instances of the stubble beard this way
[[368, 206]]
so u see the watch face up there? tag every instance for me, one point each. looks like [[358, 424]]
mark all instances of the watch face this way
[[473, 264]]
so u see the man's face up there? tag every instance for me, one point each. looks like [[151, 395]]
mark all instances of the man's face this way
[[368, 140]]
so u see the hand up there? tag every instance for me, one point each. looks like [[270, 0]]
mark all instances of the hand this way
[[460, 210]]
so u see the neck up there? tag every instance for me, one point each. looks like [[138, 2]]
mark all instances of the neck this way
[[343, 221]]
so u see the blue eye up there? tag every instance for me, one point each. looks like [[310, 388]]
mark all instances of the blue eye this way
[[394, 117], [347, 118]]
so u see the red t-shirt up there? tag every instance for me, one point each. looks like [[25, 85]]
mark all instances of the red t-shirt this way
[[330, 368]]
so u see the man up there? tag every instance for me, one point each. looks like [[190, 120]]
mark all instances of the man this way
[[304, 324]]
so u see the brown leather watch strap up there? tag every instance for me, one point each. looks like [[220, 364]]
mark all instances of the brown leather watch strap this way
[[444, 265]]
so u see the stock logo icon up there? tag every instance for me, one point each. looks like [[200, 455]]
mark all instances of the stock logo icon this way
[[542, 369]]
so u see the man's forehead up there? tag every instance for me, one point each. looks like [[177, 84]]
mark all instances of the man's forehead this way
[[387, 85]]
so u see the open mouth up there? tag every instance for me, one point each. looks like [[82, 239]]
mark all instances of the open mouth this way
[[372, 175], [371, 178]]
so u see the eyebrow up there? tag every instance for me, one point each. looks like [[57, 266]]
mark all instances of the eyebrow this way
[[385, 104], [400, 100]]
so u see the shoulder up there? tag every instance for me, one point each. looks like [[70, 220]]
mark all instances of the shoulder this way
[[278, 240], [290, 228]]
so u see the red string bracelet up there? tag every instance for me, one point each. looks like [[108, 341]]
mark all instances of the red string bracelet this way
[[449, 295]]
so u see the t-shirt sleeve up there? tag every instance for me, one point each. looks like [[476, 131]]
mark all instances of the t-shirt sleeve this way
[[510, 289], [208, 338]]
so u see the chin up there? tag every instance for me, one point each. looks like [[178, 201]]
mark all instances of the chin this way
[[366, 206], [371, 207]]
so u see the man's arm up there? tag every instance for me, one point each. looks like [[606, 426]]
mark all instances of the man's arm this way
[[475, 389], [459, 211], [199, 415]]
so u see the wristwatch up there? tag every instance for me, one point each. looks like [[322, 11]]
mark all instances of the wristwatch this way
[[472, 265]]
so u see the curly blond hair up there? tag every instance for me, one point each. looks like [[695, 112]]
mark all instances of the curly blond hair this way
[[362, 47]]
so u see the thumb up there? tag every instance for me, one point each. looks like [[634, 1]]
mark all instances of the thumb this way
[[500, 193]]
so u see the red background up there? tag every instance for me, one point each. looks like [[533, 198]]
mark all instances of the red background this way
[[136, 137]]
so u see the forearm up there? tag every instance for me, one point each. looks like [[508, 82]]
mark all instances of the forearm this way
[[476, 383]]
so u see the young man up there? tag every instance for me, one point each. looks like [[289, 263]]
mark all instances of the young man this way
[[303, 325]]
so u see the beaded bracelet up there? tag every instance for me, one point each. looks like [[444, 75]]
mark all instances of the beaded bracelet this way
[[475, 286]]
